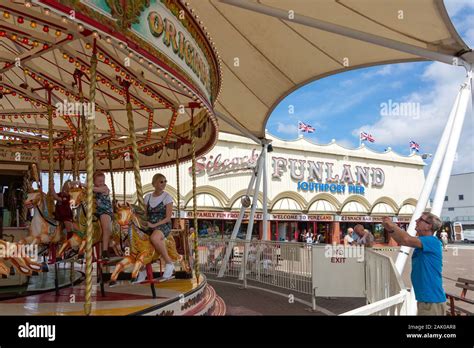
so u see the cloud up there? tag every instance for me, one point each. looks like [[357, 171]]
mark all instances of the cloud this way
[[290, 129], [454, 7], [383, 71], [436, 99]]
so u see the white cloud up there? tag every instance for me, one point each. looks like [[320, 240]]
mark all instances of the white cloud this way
[[291, 129], [455, 6], [383, 71], [435, 105]]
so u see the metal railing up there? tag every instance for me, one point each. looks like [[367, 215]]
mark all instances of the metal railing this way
[[281, 264], [289, 265], [385, 291]]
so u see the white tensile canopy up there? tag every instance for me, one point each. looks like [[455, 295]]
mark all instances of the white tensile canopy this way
[[264, 58]]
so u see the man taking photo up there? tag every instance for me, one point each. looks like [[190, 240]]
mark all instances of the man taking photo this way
[[427, 262]]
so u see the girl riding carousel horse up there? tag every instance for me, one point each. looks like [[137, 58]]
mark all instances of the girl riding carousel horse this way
[[159, 207], [63, 211]]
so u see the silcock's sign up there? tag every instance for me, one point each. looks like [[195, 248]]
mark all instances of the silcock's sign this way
[[214, 165]]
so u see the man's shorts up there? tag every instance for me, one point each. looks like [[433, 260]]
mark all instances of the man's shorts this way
[[429, 308]]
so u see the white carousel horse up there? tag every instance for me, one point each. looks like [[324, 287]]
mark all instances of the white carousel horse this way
[[141, 252], [42, 229], [24, 265]]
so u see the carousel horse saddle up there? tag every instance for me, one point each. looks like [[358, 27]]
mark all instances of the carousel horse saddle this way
[[48, 219]]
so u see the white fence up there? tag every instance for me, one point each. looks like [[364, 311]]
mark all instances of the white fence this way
[[385, 291], [292, 266], [285, 265]]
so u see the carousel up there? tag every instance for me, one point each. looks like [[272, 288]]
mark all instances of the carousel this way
[[91, 87]]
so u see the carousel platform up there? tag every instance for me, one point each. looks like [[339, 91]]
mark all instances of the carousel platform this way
[[173, 297]]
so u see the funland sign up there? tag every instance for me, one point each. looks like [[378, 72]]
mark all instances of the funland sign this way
[[311, 176]]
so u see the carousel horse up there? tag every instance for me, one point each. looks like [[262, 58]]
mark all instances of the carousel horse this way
[[42, 229], [77, 241], [4, 270], [23, 264], [142, 251]]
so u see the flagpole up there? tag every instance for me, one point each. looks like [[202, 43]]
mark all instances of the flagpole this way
[[360, 139]]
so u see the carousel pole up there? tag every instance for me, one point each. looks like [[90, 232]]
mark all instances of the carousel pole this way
[[75, 177], [25, 188], [131, 131], [178, 190], [61, 169], [111, 173], [124, 181], [77, 144], [90, 183], [50, 154], [195, 219]]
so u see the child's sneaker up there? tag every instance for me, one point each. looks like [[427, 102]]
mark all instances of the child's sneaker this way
[[168, 273]]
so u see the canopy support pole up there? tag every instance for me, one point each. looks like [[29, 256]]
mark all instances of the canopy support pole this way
[[449, 139], [348, 32], [450, 155], [235, 231], [265, 192]]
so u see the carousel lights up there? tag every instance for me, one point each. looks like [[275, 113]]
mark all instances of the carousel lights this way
[[6, 14]]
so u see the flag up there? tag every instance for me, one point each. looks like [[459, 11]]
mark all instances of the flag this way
[[366, 136], [414, 146], [305, 127]]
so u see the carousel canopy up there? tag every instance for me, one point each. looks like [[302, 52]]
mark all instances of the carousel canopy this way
[[269, 48], [154, 49]]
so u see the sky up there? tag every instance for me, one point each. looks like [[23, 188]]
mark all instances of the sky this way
[[341, 106]]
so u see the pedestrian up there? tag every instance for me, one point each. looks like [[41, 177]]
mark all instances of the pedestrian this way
[[444, 239], [365, 237], [427, 262]]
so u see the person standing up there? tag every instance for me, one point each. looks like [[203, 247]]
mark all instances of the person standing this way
[[444, 240], [427, 262], [365, 237], [348, 237]]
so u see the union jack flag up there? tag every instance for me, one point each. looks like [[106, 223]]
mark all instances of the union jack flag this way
[[414, 146], [366, 136], [305, 127]]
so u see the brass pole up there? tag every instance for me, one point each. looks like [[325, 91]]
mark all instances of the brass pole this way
[[90, 183], [111, 173], [193, 152], [51, 155], [133, 139]]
